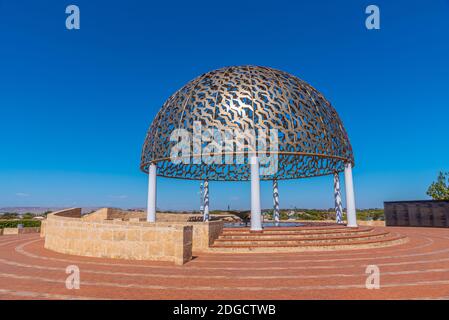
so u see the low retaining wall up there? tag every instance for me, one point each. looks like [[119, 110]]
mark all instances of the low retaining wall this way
[[204, 233], [179, 217], [42, 231], [9, 231], [69, 213], [426, 213], [66, 233], [112, 213], [29, 230]]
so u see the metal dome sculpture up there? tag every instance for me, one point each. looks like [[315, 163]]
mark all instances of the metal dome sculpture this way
[[238, 106], [311, 138]]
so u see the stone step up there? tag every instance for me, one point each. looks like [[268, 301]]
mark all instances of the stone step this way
[[299, 240], [387, 240], [293, 235], [286, 230]]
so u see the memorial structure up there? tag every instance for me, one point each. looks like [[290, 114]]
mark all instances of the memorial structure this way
[[233, 124], [306, 136]]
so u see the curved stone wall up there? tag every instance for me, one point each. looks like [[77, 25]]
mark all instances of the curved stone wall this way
[[66, 233], [204, 233]]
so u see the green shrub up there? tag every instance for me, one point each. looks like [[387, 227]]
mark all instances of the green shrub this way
[[14, 223]]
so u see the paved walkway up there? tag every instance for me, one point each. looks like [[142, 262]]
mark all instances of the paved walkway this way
[[418, 269]]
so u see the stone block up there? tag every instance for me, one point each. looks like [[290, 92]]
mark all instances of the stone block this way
[[119, 235], [149, 235], [106, 234], [133, 235], [10, 231]]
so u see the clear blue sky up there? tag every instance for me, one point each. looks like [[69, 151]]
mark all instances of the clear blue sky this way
[[75, 105]]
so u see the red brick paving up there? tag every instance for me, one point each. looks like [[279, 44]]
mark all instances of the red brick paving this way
[[418, 269]]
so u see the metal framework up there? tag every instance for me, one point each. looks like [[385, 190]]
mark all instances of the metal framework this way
[[312, 139]]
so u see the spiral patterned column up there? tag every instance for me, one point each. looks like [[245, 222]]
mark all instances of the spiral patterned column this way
[[276, 212], [201, 198], [337, 196], [206, 200]]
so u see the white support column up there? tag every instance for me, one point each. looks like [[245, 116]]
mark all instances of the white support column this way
[[337, 197], [256, 217], [151, 205], [350, 199], [206, 200], [276, 213]]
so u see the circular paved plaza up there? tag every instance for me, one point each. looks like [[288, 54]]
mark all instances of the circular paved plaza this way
[[418, 269]]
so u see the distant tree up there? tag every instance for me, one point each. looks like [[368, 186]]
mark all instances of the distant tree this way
[[27, 215], [439, 190], [10, 215]]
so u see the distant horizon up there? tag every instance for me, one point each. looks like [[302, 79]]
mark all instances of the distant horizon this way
[[42, 209]]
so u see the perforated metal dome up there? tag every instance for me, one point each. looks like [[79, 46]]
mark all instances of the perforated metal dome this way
[[312, 139]]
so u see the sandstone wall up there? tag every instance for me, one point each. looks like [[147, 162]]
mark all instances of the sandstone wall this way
[[98, 215], [72, 213], [118, 239], [111, 214], [9, 231], [29, 230], [204, 233], [42, 231], [178, 217], [122, 214]]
